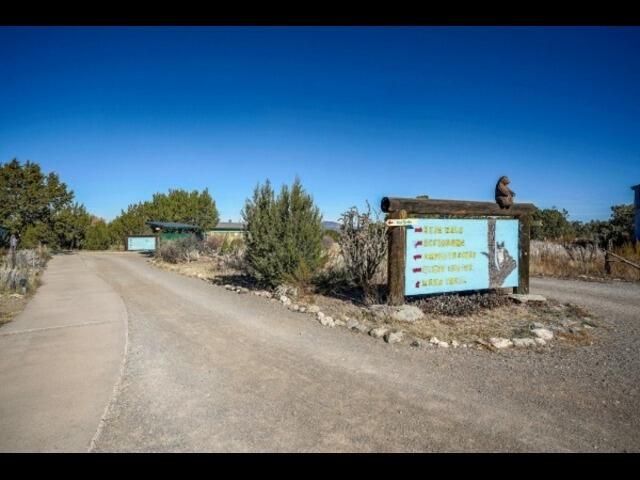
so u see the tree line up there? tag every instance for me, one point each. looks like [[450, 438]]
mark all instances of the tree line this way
[[40, 209], [553, 224]]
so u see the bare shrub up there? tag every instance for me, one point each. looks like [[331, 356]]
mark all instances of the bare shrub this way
[[212, 245], [168, 252], [363, 243], [179, 251], [461, 304], [232, 245], [235, 259]]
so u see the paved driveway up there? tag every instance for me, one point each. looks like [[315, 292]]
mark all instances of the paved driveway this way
[[210, 370], [59, 361]]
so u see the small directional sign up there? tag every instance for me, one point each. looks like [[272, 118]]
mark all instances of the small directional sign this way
[[400, 222]]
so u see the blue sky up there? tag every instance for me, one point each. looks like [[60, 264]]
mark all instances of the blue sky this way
[[358, 113]]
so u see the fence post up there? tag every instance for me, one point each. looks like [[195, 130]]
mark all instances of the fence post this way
[[396, 261], [607, 258], [524, 237]]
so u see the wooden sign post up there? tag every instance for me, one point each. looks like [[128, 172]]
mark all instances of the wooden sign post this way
[[398, 209]]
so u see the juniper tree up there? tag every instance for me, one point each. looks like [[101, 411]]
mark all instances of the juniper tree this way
[[284, 234], [29, 197], [97, 236], [38, 207]]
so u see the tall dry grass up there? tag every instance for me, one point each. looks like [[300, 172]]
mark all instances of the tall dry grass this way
[[21, 274], [572, 261]]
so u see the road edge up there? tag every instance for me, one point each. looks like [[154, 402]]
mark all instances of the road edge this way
[[115, 392]]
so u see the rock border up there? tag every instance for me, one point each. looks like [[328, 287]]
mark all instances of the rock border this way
[[541, 334]]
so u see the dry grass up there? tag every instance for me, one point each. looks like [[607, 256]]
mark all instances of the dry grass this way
[[22, 273], [556, 260], [216, 268], [204, 268], [511, 321], [19, 283]]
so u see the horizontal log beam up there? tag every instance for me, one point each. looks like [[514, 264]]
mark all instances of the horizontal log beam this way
[[622, 259], [453, 207]]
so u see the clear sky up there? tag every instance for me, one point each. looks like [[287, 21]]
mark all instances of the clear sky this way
[[357, 113]]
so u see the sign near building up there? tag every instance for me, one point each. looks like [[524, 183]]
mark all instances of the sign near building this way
[[450, 255], [141, 242]]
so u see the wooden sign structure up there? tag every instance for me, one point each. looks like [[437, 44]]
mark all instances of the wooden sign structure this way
[[411, 208]]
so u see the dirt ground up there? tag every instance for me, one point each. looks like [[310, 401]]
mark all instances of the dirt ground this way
[[572, 325]]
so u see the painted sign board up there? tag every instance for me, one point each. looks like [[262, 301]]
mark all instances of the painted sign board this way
[[141, 243], [452, 255]]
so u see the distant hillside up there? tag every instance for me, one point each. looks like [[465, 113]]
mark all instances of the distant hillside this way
[[328, 225]]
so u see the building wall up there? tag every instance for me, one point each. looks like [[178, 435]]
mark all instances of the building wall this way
[[167, 236], [232, 233]]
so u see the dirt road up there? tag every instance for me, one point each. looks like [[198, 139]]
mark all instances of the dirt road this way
[[209, 370]]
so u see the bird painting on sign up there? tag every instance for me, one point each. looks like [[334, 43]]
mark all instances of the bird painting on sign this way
[[501, 263]]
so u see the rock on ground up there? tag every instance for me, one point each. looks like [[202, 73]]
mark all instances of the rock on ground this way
[[402, 313], [439, 343], [284, 299], [284, 290], [498, 342], [393, 337], [528, 298], [543, 333], [352, 323], [407, 313], [378, 332], [523, 342], [356, 325], [327, 321]]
